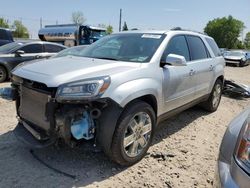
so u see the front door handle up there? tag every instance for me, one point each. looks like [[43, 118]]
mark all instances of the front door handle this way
[[192, 72]]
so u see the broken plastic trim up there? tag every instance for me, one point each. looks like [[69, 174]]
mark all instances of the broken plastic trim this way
[[7, 93], [234, 90]]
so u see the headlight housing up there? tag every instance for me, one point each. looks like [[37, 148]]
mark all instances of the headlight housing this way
[[243, 150], [83, 89]]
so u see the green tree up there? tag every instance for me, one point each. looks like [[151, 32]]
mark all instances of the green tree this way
[[109, 29], [125, 27], [225, 31], [78, 18], [247, 40], [4, 23], [20, 31]]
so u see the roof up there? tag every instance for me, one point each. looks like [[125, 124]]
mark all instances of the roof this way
[[38, 42], [160, 32]]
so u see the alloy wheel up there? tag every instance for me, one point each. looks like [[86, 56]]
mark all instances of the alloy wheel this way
[[137, 134], [216, 95]]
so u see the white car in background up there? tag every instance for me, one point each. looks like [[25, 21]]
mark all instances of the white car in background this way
[[237, 57]]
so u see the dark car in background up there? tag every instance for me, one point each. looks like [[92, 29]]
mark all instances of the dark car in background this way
[[233, 167], [15, 53], [5, 36]]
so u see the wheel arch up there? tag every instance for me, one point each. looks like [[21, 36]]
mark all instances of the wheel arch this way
[[149, 99], [6, 69]]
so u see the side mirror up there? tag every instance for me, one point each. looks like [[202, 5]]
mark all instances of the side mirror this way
[[18, 53], [176, 60]]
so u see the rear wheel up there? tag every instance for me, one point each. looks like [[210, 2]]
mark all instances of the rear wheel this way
[[3, 74], [213, 101], [133, 134]]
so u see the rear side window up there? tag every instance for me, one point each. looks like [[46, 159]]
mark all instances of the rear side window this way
[[197, 48], [214, 47], [52, 48], [178, 46], [32, 48]]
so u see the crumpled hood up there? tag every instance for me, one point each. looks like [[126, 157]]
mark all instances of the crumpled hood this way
[[56, 71]]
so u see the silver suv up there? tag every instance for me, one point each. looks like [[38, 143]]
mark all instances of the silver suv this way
[[116, 91]]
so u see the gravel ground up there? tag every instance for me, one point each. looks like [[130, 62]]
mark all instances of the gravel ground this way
[[183, 153]]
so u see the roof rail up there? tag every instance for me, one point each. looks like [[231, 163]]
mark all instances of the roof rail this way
[[181, 29]]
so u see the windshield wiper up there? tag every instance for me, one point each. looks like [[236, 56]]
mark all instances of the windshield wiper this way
[[106, 58]]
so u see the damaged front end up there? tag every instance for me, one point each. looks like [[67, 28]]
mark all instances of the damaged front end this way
[[47, 115]]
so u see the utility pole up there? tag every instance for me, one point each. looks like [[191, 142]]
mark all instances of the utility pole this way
[[41, 23], [120, 21]]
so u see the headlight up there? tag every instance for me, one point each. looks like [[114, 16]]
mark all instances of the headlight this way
[[243, 150], [84, 89]]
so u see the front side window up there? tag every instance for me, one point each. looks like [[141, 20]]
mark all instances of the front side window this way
[[131, 47], [197, 48], [32, 48], [178, 46]]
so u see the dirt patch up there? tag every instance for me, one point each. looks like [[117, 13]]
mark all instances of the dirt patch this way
[[183, 153]]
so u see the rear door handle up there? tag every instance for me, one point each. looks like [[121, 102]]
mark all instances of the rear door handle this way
[[192, 72], [211, 67]]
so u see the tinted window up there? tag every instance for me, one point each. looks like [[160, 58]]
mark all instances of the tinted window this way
[[178, 46], [3, 35], [214, 47], [52, 48], [197, 48], [32, 48]]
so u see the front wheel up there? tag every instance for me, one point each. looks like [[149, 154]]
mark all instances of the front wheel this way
[[242, 63], [213, 101], [133, 134]]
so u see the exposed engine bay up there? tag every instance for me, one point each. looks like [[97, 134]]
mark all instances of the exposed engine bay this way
[[46, 119]]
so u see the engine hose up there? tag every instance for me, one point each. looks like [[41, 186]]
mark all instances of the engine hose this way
[[50, 167]]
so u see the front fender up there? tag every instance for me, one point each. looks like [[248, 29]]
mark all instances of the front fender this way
[[133, 89]]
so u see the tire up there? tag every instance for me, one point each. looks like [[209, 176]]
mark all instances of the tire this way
[[242, 63], [213, 101], [3, 74], [131, 131]]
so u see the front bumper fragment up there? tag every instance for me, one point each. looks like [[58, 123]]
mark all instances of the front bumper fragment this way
[[26, 137]]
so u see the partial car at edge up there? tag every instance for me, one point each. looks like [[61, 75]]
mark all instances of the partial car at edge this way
[[15, 53], [233, 166]]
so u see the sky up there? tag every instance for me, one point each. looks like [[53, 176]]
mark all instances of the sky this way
[[142, 14]]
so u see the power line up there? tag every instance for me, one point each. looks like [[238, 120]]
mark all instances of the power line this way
[[27, 19]]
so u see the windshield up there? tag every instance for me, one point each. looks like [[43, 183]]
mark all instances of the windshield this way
[[9, 47], [97, 33], [131, 47], [235, 53], [73, 51]]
